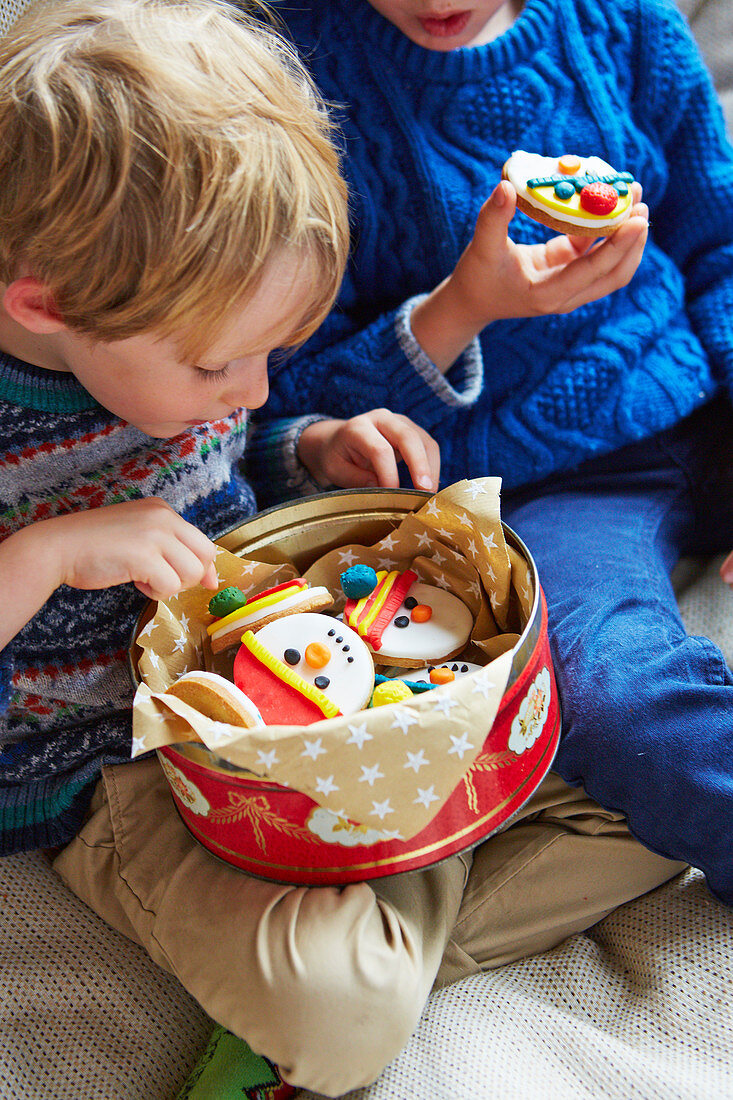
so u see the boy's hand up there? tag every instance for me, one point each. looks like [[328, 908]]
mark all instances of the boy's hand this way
[[496, 278], [143, 541], [726, 570], [365, 451]]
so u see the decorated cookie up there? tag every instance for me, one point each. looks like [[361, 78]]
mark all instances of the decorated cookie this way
[[289, 598], [217, 698], [584, 196], [405, 622], [443, 674], [302, 668]]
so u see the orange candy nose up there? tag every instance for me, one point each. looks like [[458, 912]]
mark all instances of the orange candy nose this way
[[317, 655], [441, 676], [569, 165], [421, 613]]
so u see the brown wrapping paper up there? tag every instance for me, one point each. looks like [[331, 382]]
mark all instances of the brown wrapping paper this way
[[390, 767]]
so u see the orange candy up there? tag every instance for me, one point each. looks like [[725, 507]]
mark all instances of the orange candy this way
[[441, 676], [569, 165], [421, 613], [317, 655]]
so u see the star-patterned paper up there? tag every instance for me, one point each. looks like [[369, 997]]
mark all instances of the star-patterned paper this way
[[390, 767]]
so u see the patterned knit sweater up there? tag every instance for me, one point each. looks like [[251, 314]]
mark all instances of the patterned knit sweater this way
[[426, 134], [65, 688]]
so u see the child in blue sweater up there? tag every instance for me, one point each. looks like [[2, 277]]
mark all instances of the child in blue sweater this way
[[610, 424]]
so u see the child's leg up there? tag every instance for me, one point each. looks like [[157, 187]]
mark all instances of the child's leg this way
[[329, 982], [562, 865], [647, 710]]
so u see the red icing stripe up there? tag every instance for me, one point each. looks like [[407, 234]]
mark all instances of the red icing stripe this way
[[400, 588]]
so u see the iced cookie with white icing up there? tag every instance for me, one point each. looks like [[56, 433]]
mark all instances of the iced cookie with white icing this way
[[219, 699], [289, 598], [302, 668], [584, 196], [407, 623]]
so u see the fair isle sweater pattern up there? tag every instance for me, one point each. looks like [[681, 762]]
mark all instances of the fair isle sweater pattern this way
[[65, 687], [425, 136]]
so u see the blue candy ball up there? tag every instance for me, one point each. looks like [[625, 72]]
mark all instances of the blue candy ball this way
[[358, 581]]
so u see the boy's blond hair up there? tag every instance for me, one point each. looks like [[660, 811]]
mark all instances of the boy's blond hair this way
[[154, 154]]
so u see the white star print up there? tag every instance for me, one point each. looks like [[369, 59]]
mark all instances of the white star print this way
[[438, 558], [460, 746], [138, 746], [180, 644], [359, 735], [147, 630], [463, 519], [444, 704], [475, 489], [416, 760], [369, 775], [472, 548], [403, 719], [483, 687], [381, 809], [184, 622], [325, 786], [347, 557], [424, 540], [386, 563], [388, 542], [154, 659], [314, 749], [443, 533], [489, 541], [425, 797], [267, 759], [474, 588], [432, 509]]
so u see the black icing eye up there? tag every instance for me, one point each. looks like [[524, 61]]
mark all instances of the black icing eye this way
[[331, 633], [349, 660], [464, 668], [410, 602], [292, 656], [339, 641], [322, 682], [454, 668], [347, 648], [402, 621]]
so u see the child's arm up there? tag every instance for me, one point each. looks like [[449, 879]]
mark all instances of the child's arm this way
[[496, 279], [142, 541]]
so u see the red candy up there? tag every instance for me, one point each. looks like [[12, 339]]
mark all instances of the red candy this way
[[598, 198]]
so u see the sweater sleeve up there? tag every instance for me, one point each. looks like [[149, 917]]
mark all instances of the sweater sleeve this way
[[271, 460], [6, 676], [694, 221], [347, 369]]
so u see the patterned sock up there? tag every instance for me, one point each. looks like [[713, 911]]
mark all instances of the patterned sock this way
[[229, 1070]]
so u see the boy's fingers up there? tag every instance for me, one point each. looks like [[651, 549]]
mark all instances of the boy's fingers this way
[[416, 447], [604, 268], [494, 216], [726, 569], [161, 581]]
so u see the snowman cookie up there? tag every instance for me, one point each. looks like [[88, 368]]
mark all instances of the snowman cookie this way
[[302, 668], [251, 614], [407, 623], [584, 196]]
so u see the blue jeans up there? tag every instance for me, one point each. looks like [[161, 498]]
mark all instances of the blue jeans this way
[[647, 710]]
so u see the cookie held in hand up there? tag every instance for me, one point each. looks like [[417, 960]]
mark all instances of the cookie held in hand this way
[[583, 196]]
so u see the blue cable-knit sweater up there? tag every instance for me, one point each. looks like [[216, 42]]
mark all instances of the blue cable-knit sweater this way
[[65, 686], [426, 134]]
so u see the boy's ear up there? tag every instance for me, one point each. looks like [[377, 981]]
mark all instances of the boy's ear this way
[[27, 301]]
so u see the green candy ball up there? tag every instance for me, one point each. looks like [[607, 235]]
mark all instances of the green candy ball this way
[[226, 601]]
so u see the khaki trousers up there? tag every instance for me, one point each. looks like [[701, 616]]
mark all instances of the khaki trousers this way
[[329, 982]]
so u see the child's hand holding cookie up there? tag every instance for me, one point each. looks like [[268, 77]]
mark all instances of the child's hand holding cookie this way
[[496, 279]]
